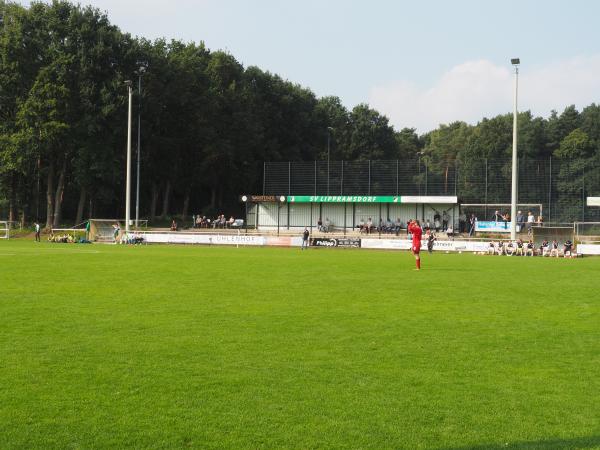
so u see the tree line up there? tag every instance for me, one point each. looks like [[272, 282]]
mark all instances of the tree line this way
[[208, 123]]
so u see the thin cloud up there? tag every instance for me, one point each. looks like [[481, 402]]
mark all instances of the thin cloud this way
[[477, 89]]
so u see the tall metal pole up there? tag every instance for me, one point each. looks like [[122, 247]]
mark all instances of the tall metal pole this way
[[128, 181], [137, 187], [514, 195], [328, 145]]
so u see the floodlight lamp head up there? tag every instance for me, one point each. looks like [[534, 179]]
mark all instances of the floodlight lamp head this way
[[244, 198], [128, 83], [515, 61]]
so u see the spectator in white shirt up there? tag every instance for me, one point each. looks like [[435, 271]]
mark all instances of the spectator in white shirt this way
[[530, 222]]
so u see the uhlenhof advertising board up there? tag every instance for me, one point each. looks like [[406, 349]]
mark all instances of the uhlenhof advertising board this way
[[207, 239]]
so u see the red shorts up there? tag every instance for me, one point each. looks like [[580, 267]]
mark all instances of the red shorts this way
[[416, 248]]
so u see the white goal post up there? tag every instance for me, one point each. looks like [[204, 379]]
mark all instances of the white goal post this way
[[102, 230], [4, 230]]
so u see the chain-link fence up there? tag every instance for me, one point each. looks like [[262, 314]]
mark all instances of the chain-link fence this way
[[560, 186]]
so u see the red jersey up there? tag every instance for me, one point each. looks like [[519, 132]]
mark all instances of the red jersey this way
[[417, 233]]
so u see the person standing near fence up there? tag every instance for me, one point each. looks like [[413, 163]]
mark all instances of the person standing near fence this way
[[305, 237], [430, 240], [530, 222], [116, 231], [37, 232], [472, 222]]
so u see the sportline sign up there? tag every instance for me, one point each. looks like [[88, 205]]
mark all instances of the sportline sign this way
[[370, 199]]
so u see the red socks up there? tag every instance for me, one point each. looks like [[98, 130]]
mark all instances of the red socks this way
[[418, 264]]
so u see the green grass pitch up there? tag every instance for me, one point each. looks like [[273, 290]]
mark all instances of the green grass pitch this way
[[221, 347]]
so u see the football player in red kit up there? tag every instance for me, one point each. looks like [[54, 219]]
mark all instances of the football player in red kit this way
[[414, 228]]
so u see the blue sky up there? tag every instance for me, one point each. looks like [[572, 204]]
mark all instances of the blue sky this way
[[420, 63]]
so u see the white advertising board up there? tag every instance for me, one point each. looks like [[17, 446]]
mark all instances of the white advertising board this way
[[453, 200], [214, 239], [391, 244], [493, 227], [588, 249], [403, 244]]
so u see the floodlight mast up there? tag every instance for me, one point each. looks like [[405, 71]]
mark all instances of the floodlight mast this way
[[514, 191], [142, 67], [128, 181]]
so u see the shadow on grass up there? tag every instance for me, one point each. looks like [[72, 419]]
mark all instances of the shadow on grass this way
[[552, 444]]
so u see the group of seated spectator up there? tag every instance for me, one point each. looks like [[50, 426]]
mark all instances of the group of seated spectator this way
[[384, 226], [440, 222], [521, 248], [62, 238], [324, 227], [220, 221], [131, 239], [446, 226], [66, 239]]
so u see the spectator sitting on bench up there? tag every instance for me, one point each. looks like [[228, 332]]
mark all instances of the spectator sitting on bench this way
[[369, 226], [519, 251], [554, 249], [529, 248], [500, 249], [397, 226], [173, 225], [509, 249], [545, 248], [568, 249], [361, 225]]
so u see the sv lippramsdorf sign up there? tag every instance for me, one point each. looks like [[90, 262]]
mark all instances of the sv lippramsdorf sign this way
[[370, 199]]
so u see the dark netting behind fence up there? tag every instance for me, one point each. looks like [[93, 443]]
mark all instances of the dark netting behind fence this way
[[561, 187]]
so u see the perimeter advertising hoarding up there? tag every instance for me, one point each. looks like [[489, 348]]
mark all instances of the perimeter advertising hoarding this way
[[214, 239], [492, 227], [335, 242], [588, 249], [404, 244], [283, 241]]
